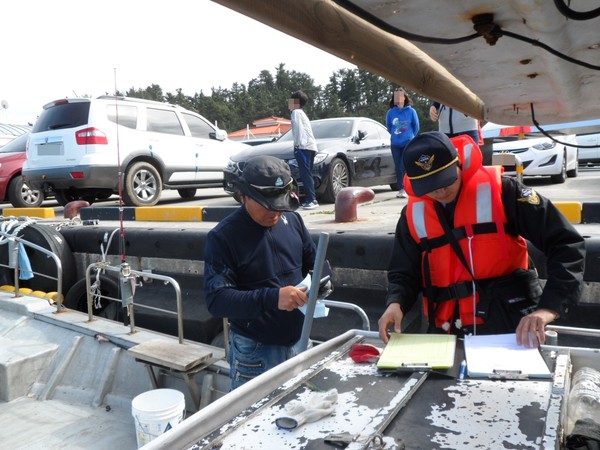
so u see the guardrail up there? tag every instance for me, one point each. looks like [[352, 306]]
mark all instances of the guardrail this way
[[14, 250], [128, 278]]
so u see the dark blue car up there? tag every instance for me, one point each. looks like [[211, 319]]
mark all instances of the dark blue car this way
[[353, 151]]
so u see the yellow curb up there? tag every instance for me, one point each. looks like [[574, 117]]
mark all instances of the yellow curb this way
[[571, 210], [44, 213], [169, 213]]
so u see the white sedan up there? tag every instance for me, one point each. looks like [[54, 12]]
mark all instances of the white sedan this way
[[554, 156]]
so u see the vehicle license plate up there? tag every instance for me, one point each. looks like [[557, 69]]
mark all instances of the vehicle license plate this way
[[51, 149]]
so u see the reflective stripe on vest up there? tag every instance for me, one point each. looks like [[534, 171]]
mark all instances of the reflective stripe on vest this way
[[419, 219]]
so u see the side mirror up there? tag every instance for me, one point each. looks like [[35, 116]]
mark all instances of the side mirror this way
[[219, 135], [361, 136]]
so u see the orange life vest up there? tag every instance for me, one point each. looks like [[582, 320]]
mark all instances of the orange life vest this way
[[480, 227]]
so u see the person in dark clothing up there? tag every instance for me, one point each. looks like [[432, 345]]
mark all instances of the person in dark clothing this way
[[254, 258], [460, 241]]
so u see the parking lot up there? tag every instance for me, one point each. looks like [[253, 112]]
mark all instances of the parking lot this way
[[380, 215]]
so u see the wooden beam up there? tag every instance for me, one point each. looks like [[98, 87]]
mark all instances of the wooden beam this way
[[327, 26]]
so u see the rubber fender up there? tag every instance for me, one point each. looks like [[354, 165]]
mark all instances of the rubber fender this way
[[41, 294], [76, 298], [50, 239], [52, 297]]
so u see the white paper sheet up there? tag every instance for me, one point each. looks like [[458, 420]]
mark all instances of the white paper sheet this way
[[320, 309], [499, 354]]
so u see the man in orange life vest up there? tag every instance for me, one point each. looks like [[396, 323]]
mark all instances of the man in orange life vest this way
[[460, 241]]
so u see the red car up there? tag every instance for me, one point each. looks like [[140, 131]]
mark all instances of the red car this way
[[12, 188]]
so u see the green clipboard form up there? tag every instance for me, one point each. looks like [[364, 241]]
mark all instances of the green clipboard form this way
[[416, 351], [498, 356]]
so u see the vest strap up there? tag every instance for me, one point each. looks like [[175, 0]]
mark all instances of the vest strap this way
[[455, 291], [461, 233]]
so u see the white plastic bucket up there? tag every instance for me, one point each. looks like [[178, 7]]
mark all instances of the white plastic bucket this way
[[155, 412]]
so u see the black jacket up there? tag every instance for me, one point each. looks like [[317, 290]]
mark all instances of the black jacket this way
[[542, 224], [245, 264]]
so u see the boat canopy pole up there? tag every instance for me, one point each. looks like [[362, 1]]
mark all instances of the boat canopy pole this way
[[314, 289]]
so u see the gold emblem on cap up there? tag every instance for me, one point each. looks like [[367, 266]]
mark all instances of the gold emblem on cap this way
[[425, 162]]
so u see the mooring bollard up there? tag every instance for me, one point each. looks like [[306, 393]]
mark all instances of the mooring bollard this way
[[346, 201], [72, 208]]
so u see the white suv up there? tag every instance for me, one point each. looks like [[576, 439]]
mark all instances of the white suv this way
[[78, 147]]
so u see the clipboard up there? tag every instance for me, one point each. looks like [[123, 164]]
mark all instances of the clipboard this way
[[497, 356], [415, 352]]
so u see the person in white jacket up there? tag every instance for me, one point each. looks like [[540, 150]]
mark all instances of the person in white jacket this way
[[305, 147], [454, 123]]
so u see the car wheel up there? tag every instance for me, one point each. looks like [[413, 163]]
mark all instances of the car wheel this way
[[187, 192], [574, 172], [143, 185], [562, 176], [22, 196], [339, 178]]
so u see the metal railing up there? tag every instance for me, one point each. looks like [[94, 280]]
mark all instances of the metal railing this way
[[366, 325], [13, 263], [127, 279], [509, 159]]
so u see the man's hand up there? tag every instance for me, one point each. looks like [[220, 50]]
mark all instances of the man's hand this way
[[291, 297], [392, 316], [532, 327], [433, 113]]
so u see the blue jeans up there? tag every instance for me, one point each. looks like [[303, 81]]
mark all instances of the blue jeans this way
[[249, 358], [305, 159], [397, 152]]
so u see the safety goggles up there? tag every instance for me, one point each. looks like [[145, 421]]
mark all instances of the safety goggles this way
[[269, 191]]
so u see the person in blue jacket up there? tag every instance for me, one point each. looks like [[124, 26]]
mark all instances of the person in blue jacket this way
[[254, 259], [403, 124]]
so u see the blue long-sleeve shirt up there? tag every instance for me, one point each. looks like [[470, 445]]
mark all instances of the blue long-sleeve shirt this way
[[403, 124], [246, 264]]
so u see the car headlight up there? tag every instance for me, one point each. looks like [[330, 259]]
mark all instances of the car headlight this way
[[231, 165], [545, 145], [320, 157]]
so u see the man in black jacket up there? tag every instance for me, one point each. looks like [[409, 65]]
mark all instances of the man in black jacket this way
[[460, 242], [254, 259]]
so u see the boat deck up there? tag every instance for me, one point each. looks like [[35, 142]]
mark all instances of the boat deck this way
[[66, 382]]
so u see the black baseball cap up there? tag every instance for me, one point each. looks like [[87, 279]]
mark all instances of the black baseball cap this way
[[268, 181], [430, 160]]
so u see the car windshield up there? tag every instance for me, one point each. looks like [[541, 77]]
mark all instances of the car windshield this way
[[17, 145], [325, 129]]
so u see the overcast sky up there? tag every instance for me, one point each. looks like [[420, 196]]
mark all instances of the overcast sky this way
[[63, 48]]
